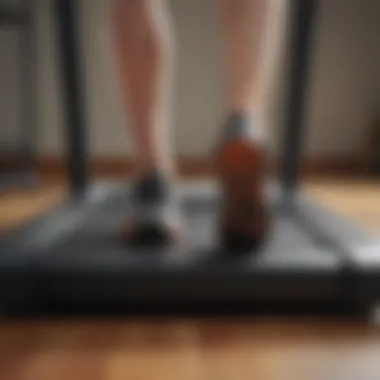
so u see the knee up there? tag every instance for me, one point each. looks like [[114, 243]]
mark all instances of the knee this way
[[135, 20], [235, 10]]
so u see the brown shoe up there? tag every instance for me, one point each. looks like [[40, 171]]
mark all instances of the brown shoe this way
[[240, 166]]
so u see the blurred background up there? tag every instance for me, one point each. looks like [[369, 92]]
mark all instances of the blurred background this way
[[344, 94]]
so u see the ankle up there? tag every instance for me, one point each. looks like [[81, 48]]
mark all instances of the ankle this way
[[147, 168], [243, 122]]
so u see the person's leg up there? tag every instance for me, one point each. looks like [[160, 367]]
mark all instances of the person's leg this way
[[143, 41], [241, 157], [144, 55], [244, 28]]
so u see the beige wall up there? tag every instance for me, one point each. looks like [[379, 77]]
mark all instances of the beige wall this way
[[345, 78], [345, 86]]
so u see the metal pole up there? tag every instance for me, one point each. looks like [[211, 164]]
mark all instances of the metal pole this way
[[304, 12], [28, 48], [78, 171]]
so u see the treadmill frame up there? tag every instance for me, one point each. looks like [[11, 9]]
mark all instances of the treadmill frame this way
[[21, 286], [304, 13]]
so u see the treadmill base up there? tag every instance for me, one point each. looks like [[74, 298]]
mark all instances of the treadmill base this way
[[69, 258]]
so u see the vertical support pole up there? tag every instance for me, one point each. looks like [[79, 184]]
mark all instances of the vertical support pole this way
[[28, 54], [304, 12], [66, 18]]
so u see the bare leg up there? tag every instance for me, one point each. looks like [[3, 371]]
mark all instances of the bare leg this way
[[244, 27], [144, 55], [241, 157]]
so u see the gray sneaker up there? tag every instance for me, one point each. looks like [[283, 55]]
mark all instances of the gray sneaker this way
[[155, 216]]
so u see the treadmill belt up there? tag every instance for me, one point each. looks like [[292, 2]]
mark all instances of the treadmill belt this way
[[74, 254], [86, 234]]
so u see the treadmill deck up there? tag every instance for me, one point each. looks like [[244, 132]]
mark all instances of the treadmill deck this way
[[72, 254]]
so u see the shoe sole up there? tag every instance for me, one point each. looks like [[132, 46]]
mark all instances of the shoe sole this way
[[150, 235]]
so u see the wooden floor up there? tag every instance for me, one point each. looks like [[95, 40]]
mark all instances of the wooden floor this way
[[208, 349]]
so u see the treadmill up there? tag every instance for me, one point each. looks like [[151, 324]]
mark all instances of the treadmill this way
[[69, 259]]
